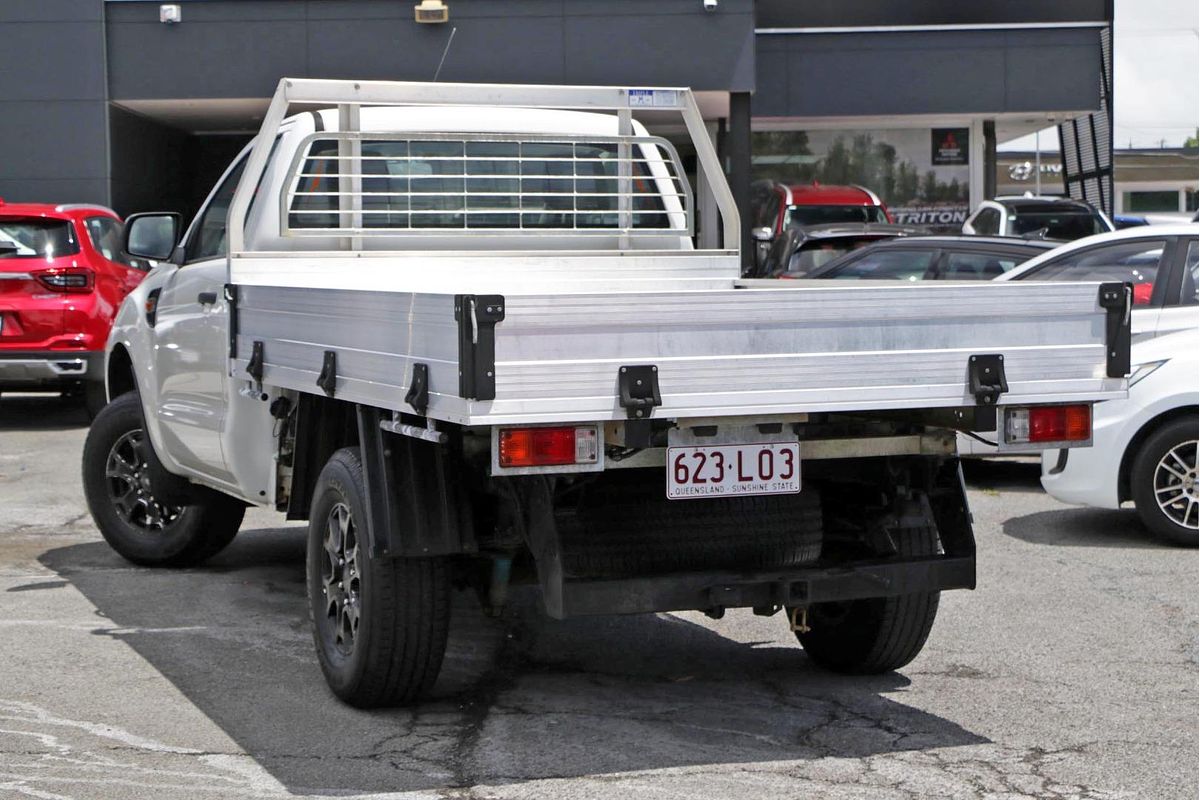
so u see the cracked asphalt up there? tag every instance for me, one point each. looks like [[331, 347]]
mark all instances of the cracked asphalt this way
[[1070, 673]]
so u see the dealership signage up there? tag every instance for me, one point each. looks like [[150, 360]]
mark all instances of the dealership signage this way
[[949, 146], [945, 216], [1025, 170]]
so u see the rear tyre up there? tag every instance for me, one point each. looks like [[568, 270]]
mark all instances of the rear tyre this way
[[379, 624], [1164, 482], [140, 527], [876, 635]]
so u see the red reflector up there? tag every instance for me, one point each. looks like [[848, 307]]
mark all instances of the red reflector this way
[[1060, 423], [537, 447], [1142, 293]]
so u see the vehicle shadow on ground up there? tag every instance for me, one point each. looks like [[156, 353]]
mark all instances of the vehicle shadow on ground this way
[[1003, 475], [564, 699], [1084, 527], [41, 412]]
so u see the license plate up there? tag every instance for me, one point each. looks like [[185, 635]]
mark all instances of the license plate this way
[[729, 470]]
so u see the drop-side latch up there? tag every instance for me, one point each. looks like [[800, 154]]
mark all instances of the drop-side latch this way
[[986, 378], [638, 390]]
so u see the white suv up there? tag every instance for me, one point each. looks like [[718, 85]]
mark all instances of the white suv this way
[[1037, 218]]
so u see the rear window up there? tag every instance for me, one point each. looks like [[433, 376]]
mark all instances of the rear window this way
[[815, 254], [798, 216], [36, 237], [108, 237], [896, 265], [978, 266], [509, 184], [1133, 262], [1067, 224]]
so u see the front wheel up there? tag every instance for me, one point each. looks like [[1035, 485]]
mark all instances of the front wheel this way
[[141, 527], [878, 634], [379, 624], [1163, 482]]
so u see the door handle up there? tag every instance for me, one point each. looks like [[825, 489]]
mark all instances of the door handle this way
[[206, 298]]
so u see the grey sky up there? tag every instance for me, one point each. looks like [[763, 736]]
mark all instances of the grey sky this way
[[1157, 73]]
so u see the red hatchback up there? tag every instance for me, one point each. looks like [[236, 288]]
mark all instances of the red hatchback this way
[[63, 274]]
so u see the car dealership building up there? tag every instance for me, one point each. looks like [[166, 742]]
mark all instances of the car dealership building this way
[[140, 105]]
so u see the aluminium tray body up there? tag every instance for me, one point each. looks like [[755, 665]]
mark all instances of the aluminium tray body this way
[[720, 350]]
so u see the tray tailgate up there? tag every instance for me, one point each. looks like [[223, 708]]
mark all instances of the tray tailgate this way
[[803, 347]]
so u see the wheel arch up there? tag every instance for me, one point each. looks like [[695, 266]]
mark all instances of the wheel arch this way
[[323, 426], [1124, 489], [119, 377]]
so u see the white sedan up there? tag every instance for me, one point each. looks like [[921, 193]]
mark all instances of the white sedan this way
[[1161, 263], [1144, 447], [1159, 260]]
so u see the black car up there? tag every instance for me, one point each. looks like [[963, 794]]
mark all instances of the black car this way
[[803, 249], [947, 258]]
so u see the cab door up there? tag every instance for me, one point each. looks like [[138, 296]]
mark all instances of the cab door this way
[[192, 342]]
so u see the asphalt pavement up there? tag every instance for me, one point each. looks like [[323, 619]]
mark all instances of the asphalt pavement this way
[[1071, 672]]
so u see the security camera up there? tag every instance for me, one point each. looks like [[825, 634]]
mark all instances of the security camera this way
[[710, 5]]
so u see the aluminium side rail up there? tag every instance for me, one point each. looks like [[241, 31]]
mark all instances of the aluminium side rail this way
[[350, 96]]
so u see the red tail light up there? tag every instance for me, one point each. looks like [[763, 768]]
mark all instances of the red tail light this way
[[548, 447], [1049, 424], [71, 280]]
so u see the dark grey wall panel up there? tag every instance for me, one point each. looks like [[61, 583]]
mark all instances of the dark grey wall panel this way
[[34, 66], [47, 190], [377, 49], [51, 11], [460, 9], [697, 50], [52, 101], [838, 13], [944, 72], [240, 48], [203, 59], [1040, 77], [53, 150]]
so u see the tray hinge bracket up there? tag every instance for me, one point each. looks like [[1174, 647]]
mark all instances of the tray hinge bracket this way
[[418, 389], [1117, 300], [254, 367], [231, 300], [327, 380], [477, 316]]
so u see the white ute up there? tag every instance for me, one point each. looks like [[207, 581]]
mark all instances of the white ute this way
[[463, 330]]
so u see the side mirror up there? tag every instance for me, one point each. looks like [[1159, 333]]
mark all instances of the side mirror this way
[[762, 234], [152, 236]]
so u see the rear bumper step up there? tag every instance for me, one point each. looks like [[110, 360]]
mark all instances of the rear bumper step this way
[[41, 369], [711, 591]]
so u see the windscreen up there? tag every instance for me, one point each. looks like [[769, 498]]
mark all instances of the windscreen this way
[[36, 237], [798, 216]]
